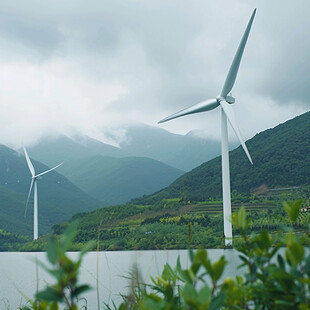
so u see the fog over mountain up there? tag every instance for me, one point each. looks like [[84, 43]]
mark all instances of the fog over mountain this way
[[183, 152], [281, 159], [91, 69]]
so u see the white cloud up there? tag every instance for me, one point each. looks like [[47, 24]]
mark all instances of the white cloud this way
[[76, 67], [51, 99]]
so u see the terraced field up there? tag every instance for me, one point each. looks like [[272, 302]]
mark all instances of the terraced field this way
[[217, 208]]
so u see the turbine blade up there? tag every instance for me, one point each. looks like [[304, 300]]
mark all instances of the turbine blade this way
[[206, 105], [49, 170], [30, 166], [28, 196], [230, 113], [232, 73]]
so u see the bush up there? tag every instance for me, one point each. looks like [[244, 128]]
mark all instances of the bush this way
[[66, 289], [277, 275]]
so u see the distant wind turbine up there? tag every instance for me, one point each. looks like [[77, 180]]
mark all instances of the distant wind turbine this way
[[226, 102], [35, 194]]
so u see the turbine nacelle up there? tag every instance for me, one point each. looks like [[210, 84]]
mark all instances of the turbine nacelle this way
[[230, 99]]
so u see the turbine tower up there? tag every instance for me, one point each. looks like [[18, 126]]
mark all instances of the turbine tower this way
[[35, 194], [226, 102]]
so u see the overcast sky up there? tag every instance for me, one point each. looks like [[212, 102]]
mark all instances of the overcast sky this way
[[91, 67]]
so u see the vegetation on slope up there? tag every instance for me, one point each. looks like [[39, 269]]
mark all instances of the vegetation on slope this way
[[275, 274], [175, 223], [117, 180], [11, 241], [191, 204], [59, 199], [103, 171], [281, 158]]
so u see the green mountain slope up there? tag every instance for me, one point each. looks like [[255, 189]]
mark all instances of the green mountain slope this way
[[102, 170], [116, 180], [59, 199], [173, 224], [281, 158]]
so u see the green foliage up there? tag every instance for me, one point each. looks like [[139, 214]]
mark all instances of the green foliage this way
[[165, 224], [65, 271], [135, 227], [276, 275], [182, 288], [10, 241], [240, 221], [292, 209], [277, 279]]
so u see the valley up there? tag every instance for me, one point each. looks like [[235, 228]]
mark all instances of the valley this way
[[186, 213]]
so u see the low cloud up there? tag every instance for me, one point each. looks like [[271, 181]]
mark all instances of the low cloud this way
[[91, 68]]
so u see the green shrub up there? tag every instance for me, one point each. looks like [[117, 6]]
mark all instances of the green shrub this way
[[277, 275], [65, 271]]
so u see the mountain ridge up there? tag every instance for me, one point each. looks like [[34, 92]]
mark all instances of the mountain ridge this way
[[184, 152], [281, 157], [59, 199], [117, 180]]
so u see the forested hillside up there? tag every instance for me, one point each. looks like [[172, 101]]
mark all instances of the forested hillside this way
[[189, 211], [176, 224], [59, 199], [103, 171], [117, 180], [281, 158]]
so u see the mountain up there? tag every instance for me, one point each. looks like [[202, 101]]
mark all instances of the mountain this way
[[184, 152], [59, 199], [281, 158], [52, 150], [117, 180], [102, 170]]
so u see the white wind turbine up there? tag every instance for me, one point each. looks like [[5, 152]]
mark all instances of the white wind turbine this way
[[35, 194], [227, 112]]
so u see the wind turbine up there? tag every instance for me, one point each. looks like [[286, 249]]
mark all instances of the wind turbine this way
[[226, 102], [35, 194]]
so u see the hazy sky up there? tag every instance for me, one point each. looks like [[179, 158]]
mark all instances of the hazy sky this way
[[90, 67]]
